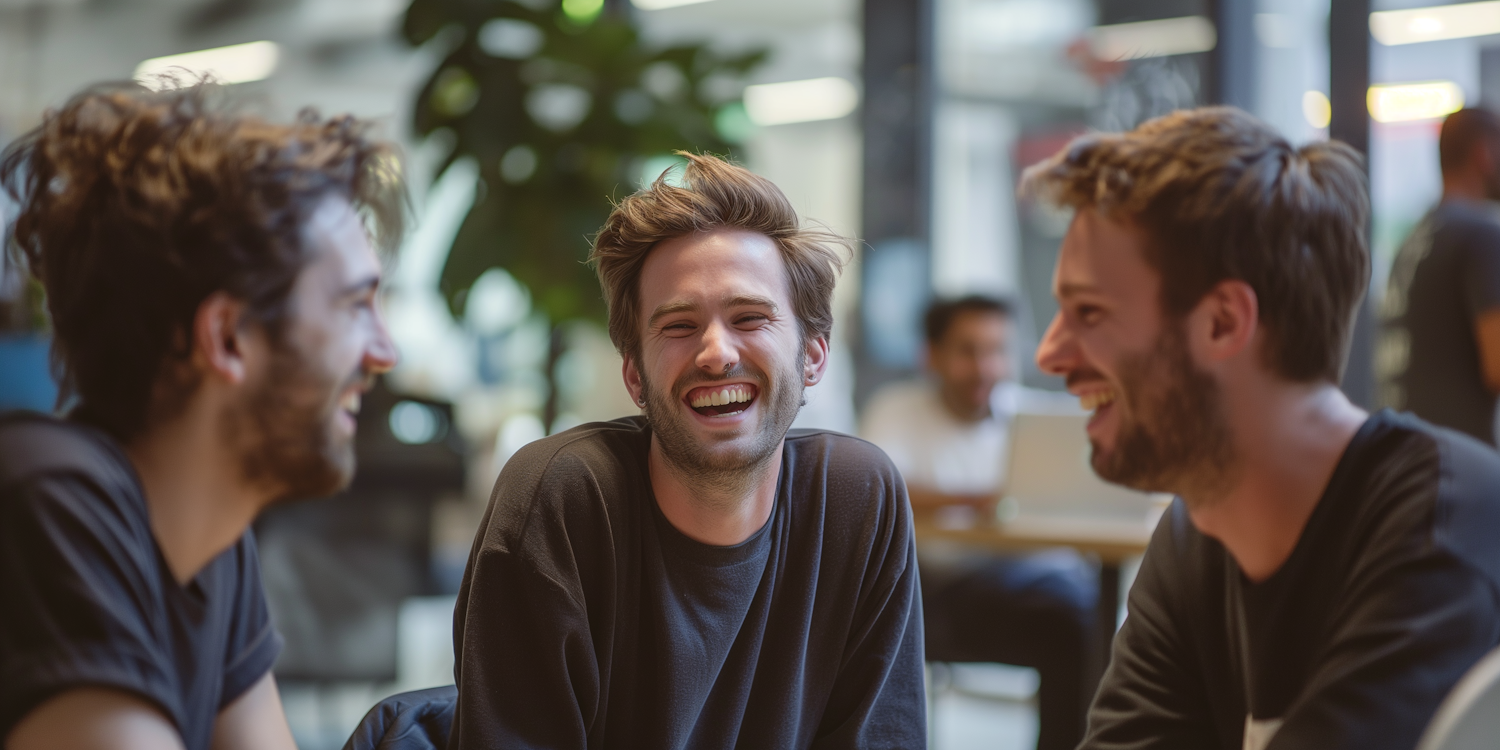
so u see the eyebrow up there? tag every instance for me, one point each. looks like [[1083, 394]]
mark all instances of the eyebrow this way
[[366, 284], [1070, 289], [739, 300]]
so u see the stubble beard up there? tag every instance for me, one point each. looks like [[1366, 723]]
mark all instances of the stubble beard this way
[[1174, 435], [287, 427], [725, 471]]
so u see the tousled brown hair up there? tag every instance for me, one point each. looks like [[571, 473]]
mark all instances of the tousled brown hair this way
[[1221, 196], [714, 194], [136, 205]]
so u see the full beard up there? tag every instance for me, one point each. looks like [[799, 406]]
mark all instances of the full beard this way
[[286, 426], [722, 468], [1178, 438]]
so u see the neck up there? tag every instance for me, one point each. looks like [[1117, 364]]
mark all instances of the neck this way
[[1288, 440], [1464, 187], [961, 408], [711, 511], [197, 502]]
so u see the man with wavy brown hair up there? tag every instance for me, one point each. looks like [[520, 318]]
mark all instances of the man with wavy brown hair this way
[[211, 284], [697, 576], [1325, 575]]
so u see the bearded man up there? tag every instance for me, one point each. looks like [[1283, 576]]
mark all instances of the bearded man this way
[[1325, 575], [697, 576], [212, 291]]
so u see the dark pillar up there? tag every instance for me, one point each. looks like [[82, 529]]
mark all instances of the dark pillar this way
[[897, 117], [1232, 66], [1348, 87]]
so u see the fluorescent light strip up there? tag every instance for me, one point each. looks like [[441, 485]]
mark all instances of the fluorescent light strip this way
[[1168, 36], [663, 4], [1406, 102], [1435, 23], [239, 63], [800, 101]]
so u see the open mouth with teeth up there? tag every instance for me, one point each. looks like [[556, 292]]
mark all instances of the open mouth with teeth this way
[[350, 403], [1095, 399], [722, 401]]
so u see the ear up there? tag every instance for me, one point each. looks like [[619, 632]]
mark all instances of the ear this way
[[1225, 322], [815, 360], [632, 377], [222, 343]]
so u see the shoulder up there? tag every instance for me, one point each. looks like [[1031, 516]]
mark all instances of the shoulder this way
[[563, 476], [1467, 225], [1466, 511], [838, 456], [49, 466]]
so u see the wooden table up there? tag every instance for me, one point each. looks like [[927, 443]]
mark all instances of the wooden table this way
[[1112, 541]]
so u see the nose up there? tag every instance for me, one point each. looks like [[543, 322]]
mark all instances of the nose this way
[[381, 355], [1058, 352], [718, 353]]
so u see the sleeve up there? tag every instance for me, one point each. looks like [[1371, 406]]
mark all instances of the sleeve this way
[[1149, 697], [80, 606], [1414, 623], [525, 666], [878, 699], [1481, 274], [253, 643]]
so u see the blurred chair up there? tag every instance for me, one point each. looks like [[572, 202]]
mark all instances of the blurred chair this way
[[1469, 718], [418, 720]]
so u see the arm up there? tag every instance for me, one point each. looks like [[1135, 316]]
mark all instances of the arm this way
[[1149, 697], [525, 668], [877, 701], [95, 719], [1487, 337], [254, 721]]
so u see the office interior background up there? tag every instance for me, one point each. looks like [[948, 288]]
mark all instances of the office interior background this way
[[905, 123]]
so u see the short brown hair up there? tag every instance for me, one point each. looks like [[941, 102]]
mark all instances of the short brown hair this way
[[136, 205], [1222, 196], [715, 194], [1462, 132]]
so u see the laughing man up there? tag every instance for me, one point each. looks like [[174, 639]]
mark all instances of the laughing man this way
[[1325, 575], [697, 576]]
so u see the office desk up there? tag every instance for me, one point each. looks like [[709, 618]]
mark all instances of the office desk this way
[[1113, 541]]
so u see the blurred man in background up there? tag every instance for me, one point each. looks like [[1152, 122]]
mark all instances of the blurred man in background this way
[[697, 576], [1439, 353], [1325, 576], [948, 437], [212, 291]]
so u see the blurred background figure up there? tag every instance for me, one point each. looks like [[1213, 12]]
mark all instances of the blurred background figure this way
[[1439, 352], [947, 434]]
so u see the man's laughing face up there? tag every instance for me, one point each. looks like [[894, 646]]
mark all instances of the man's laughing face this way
[[722, 363]]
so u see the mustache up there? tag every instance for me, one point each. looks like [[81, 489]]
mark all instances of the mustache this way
[[1079, 377]]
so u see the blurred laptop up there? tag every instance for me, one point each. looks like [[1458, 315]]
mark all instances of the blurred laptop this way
[[1052, 485]]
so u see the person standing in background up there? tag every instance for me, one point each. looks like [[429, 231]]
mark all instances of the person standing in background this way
[[948, 437], [1439, 351]]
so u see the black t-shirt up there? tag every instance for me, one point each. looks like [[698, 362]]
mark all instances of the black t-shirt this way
[[1446, 274], [1390, 595], [586, 620], [86, 598]]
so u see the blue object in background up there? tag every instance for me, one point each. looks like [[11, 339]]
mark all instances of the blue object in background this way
[[25, 376]]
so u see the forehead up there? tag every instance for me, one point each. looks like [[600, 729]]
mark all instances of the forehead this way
[[338, 247], [1104, 256], [711, 267], [968, 325]]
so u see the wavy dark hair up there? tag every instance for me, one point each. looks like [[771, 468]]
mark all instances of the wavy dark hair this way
[[136, 205]]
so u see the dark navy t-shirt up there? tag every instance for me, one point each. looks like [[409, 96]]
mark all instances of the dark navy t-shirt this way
[[1446, 275], [1391, 593], [86, 598]]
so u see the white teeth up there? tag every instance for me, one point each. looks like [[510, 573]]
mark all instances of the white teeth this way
[[733, 394], [350, 403], [1095, 399]]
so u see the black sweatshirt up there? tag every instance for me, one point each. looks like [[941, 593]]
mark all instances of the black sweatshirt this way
[[586, 620], [1391, 593]]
